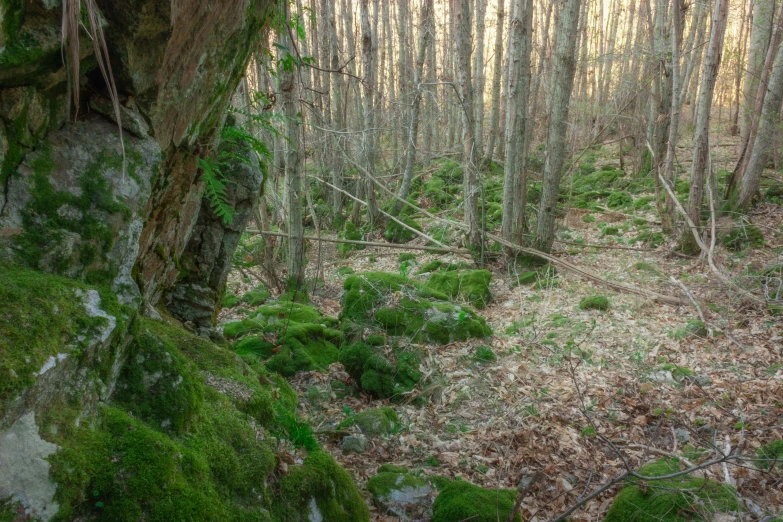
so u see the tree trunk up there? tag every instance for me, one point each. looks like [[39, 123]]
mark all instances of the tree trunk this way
[[497, 75], [478, 78], [765, 135], [668, 171], [293, 171], [460, 11], [413, 119], [701, 141], [762, 19], [336, 103], [562, 82], [368, 112]]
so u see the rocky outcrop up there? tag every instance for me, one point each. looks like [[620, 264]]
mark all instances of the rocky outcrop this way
[[206, 261]]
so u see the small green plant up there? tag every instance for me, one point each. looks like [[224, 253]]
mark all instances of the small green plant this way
[[432, 461], [594, 302], [588, 218], [484, 354], [589, 431], [770, 455], [405, 257]]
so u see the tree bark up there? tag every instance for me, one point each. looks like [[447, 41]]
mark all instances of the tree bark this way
[[479, 81], [762, 19], [497, 75], [562, 82], [368, 109], [702, 140]]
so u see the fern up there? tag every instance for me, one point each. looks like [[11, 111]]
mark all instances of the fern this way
[[215, 190]]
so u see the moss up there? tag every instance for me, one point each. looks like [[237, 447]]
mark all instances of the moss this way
[[484, 354], [652, 239], [437, 265], [373, 423], [391, 468], [472, 285], [645, 267], [670, 500], [619, 199], [305, 339], [461, 500], [345, 270], [41, 317], [351, 233], [611, 231], [588, 218], [382, 374], [396, 233], [256, 296], [770, 454], [405, 257], [743, 237], [384, 482], [44, 222], [230, 300], [159, 384], [594, 302], [321, 481]]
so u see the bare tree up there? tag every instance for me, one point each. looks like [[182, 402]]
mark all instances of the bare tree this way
[[561, 85]]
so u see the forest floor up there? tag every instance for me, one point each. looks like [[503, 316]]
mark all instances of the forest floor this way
[[635, 374]]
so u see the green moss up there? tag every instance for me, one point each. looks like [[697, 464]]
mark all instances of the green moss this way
[[594, 302], [42, 316], [256, 296], [351, 233], [472, 285], [770, 454], [744, 237], [321, 481], [650, 238], [45, 224], [405, 257], [461, 500], [382, 374], [384, 482], [619, 199], [484, 354], [588, 218], [437, 265], [670, 500], [645, 267], [373, 423], [230, 300], [611, 231], [391, 468], [396, 233], [678, 372]]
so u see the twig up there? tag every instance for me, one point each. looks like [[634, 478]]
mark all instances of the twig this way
[[521, 495]]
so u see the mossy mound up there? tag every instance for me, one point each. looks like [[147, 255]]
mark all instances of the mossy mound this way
[[189, 435], [403, 307], [594, 302], [650, 238], [384, 374], [484, 354], [45, 320], [396, 492], [406, 257], [435, 189], [441, 266], [743, 237], [256, 296], [471, 285], [319, 489], [671, 500], [289, 337], [461, 500], [351, 233], [373, 423], [396, 233], [619, 199]]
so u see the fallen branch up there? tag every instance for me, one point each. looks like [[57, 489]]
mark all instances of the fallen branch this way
[[365, 243], [524, 487]]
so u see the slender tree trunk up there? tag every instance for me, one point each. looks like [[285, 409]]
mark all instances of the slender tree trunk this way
[[668, 171], [763, 144], [368, 86], [293, 171], [763, 13], [478, 78], [702, 140], [461, 16], [517, 95], [497, 75], [739, 61], [562, 82], [413, 119]]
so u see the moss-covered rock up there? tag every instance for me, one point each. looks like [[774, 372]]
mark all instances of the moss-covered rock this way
[[594, 302], [461, 500], [319, 489], [396, 492], [351, 233], [255, 297], [671, 500], [374, 423], [304, 339], [382, 373], [471, 285], [404, 307], [396, 233]]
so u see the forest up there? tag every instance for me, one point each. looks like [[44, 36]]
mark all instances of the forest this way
[[416, 260]]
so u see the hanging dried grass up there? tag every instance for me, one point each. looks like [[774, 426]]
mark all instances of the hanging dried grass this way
[[70, 51]]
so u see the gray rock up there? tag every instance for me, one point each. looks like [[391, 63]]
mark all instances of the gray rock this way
[[354, 444], [683, 435], [24, 470], [401, 494]]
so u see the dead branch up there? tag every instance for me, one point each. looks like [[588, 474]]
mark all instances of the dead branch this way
[[366, 243]]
